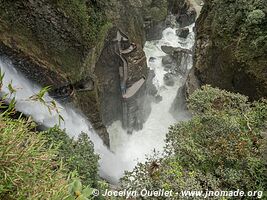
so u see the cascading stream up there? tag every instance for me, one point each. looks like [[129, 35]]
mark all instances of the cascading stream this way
[[74, 123], [137, 146], [127, 150]]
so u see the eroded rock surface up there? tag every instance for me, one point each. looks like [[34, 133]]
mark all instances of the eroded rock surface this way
[[230, 49]]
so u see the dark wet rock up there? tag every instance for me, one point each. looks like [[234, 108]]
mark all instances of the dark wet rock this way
[[158, 98], [167, 49], [154, 15], [177, 54], [184, 11], [179, 102], [182, 32], [168, 67], [152, 90], [187, 18], [167, 60], [192, 83], [178, 7], [154, 30], [168, 79], [152, 59], [86, 84], [172, 50]]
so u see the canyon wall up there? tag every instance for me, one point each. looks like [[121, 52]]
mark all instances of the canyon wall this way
[[70, 46], [231, 47]]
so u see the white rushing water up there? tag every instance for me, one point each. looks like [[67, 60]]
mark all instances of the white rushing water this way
[[127, 149], [135, 148], [74, 123]]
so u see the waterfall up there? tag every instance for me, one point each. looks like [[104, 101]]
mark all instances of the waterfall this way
[[74, 123], [127, 150], [135, 147]]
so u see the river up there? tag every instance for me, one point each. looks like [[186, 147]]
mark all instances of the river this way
[[126, 150]]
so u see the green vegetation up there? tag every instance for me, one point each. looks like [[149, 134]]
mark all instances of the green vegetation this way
[[36, 165], [156, 9], [243, 23], [237, 31], [27, 166], [87, 17], [220, 148], [78, 155]]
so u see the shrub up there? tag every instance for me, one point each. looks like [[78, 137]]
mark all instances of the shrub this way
[[86, 16], [256, 17], [31, 162], [78, 155], [220, 148], [27, 165]]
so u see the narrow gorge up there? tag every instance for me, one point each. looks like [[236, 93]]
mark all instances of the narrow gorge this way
[[131, 95], [136, 77]]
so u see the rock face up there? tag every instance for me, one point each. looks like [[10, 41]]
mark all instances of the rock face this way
[[185, 19], [68, 45], [168, 79], [183, 32], [231, 50], [176, 56], [51, 44], [184, 11], [154, 13]]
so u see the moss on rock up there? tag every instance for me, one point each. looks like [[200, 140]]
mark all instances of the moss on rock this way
[[231, 46]]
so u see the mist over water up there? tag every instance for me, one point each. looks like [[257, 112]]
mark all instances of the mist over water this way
[[126, 150], [74, 123], [135, 147]]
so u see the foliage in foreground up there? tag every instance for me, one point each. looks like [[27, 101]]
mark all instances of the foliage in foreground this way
[[220, 148], [78, 155], [31, 164], [27, 165], [36, 165]]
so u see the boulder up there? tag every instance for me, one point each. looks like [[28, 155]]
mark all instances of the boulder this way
[[168, 67], [168, 79], [172, 50], [182, 32], [167, 49], [167, 60], [151, 59], [158, 98], [187, 18]]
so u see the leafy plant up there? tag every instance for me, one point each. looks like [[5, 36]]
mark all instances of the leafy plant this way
[[77, 191], [221, 148], [50, 104], [26, 160], [77, 154], [256, 17], [29, 157]]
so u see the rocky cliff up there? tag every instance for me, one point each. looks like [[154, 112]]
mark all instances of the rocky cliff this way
[[70, 46], [231, 46]]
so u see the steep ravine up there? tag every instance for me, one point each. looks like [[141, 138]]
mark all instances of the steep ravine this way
[[69, 46], [126, 149], [101, 83], [231, 48]]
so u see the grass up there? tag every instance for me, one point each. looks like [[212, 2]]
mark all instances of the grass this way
[[29, 169]]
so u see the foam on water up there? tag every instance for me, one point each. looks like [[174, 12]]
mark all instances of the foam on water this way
[[127, 150], [135, 147], [74, 123]]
